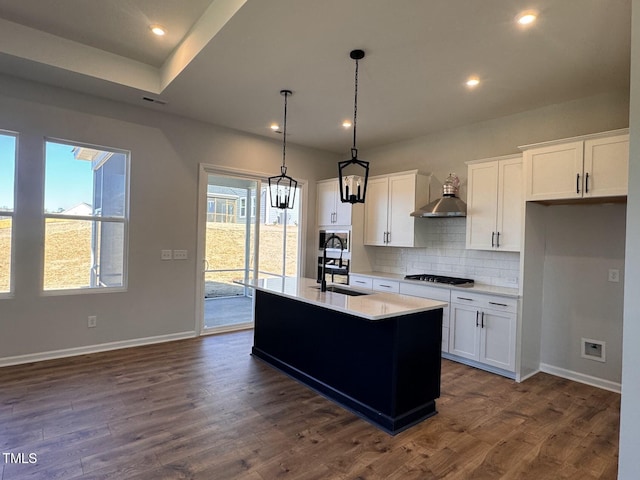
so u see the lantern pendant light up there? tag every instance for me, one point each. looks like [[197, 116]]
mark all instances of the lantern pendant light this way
[[354, 173], [282, 188]]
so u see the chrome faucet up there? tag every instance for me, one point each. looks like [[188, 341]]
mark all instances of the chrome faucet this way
[[323, 281]]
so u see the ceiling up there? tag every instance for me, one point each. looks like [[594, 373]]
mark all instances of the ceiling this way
[[225, 61]]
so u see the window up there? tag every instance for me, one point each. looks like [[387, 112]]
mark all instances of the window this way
[[86, 216], [243, 207], [7, 192]]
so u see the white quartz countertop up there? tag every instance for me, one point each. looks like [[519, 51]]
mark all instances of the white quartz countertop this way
[[478, 287], [373, 306]]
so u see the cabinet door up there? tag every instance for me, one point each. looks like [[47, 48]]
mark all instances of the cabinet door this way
[[402, 199], [554, 172], [463, 332], [498, 339], [606, 162], [343, 210], [482, 205], [326, 204], [375, 211], [510, 205]]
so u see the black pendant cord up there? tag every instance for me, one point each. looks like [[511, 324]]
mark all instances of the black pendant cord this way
[[283, 169], [354, 150]]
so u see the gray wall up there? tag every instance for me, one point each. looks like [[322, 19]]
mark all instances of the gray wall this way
[[629, 465], [165, 154], [582, 242]]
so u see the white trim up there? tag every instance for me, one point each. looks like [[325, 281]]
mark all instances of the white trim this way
[[479, 365], [580, 138], [102, 347], [520, 378], [581, 378]]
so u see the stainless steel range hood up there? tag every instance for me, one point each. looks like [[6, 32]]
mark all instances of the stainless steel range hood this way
[[449, 205]]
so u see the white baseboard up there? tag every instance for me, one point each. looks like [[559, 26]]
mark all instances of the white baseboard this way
[[102, 347], [582, 378]]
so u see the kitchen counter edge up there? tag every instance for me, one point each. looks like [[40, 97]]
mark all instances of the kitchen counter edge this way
[[478, 288]]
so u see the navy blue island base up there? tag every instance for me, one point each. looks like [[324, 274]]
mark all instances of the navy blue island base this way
[[386, 371]]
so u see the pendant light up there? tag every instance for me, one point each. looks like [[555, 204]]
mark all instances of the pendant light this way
[[282, 188], [354, 173]]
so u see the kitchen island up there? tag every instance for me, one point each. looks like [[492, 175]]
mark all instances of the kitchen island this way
[[376, 354]]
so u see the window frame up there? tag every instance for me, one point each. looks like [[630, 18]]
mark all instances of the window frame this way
[[124, 220], [12, 214]]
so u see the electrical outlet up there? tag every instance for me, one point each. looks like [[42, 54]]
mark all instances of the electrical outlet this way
[[614, 275], [92, 321], [179, 254], [165, 255]]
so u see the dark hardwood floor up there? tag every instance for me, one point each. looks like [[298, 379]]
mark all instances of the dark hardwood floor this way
[[205, 409]]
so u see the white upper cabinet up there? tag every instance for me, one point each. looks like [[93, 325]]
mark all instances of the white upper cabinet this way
[[606, 166], [330, 210], [387, 208], [585, 167], [495, 204]]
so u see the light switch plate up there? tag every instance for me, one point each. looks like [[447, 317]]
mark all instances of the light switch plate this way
[[179, 254], [165, 254], [614, 275]]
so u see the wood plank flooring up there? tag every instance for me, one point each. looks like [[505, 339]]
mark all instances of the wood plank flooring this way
[[205, 409]]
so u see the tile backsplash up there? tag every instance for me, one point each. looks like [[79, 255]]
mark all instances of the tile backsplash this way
[[446, 254]]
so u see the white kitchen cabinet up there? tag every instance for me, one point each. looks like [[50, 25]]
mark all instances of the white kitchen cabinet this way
[[483, 329], [361, 281], [433, 293], [389, 203], [330, 210], [495, 204], [584, 167], [384, 285]]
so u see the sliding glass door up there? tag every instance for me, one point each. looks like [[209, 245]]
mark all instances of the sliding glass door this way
[[244, 238]]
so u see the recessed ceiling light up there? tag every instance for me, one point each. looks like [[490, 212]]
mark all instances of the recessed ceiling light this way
[[473, 82], [275, 127], [527, 18], [346, 124], [158, 30]]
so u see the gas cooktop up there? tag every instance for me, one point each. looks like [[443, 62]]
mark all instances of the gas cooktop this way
[[455, 281]]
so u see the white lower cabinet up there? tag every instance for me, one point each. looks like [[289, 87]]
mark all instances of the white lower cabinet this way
[[383, 285], [483, 329], [360, 281], [434, 293]]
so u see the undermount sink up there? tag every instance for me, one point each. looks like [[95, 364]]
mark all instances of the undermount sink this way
[[343, 291]]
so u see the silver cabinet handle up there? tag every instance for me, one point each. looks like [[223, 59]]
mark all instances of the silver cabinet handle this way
[[467, 299], [388, 237], [359, 281]]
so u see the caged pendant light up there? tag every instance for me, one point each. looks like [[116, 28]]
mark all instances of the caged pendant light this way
[[354, 173], [282, 188]]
